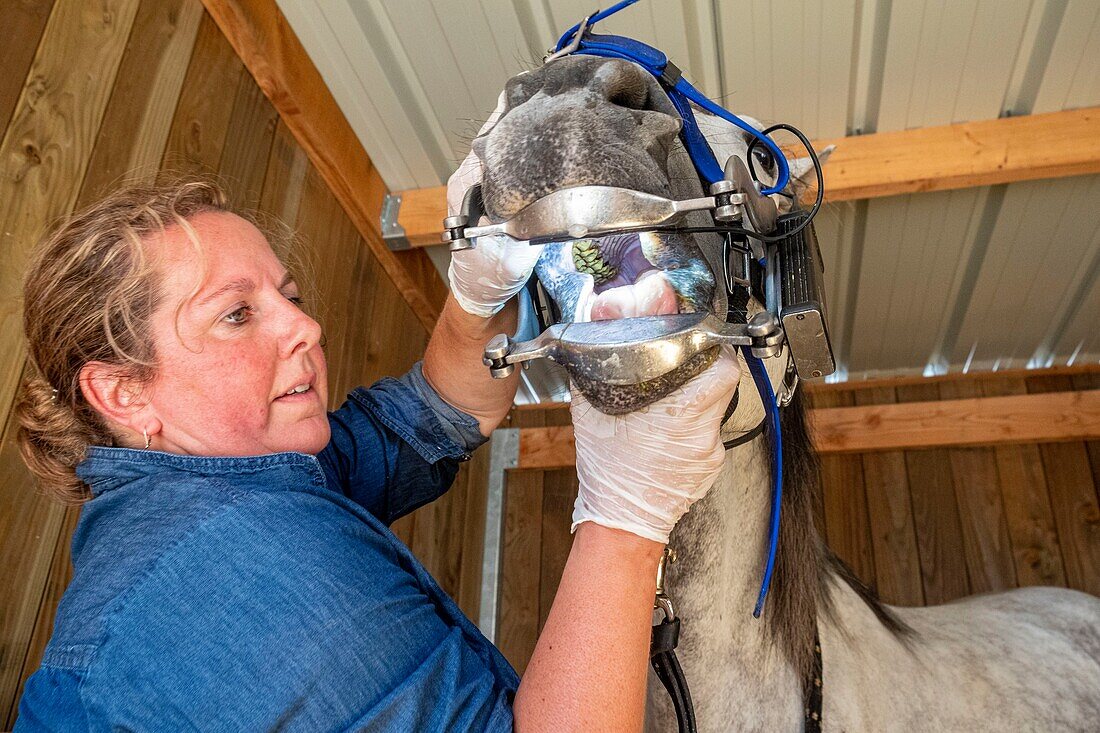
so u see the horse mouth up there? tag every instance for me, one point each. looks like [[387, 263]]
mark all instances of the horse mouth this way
[[584, 121], [618, 276], [626, 276]]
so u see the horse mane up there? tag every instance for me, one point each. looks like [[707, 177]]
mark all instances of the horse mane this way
[[805, 567]]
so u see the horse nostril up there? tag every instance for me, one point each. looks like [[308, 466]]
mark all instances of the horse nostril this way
[[629, 98]]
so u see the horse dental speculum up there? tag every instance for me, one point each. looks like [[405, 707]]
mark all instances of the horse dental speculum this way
[[786, 273]]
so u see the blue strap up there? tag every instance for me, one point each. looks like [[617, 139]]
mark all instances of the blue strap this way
[[680, 92], [771, 414]]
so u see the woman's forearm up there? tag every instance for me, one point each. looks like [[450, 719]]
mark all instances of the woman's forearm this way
[[452, 363], [588, 670]]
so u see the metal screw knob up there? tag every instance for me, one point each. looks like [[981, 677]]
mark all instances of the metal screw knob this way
[[762, 324]]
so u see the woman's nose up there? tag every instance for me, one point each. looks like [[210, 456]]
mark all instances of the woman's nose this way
[[302, 334]]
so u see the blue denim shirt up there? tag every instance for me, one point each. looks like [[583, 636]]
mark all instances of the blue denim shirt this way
[[268, 592]]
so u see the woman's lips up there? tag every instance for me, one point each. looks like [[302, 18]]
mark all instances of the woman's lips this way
[[307, 396]]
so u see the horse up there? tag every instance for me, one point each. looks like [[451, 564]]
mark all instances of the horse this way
[[1026, 659]]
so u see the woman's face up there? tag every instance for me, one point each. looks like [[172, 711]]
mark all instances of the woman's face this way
[[240, 367]]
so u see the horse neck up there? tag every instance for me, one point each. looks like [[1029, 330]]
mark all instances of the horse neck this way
[[721, 546]]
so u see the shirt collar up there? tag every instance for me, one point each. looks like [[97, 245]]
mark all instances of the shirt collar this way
[[106, 468]]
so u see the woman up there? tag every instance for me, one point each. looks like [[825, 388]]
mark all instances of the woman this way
[[233, 565]]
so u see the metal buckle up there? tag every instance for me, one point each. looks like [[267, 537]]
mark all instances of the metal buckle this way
[[661, 601], [574, 44], [790, 383]]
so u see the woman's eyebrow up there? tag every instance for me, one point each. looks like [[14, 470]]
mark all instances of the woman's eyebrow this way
[[240, 285], [287, 280]]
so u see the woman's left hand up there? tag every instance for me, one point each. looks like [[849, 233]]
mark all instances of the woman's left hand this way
[[486, 277]]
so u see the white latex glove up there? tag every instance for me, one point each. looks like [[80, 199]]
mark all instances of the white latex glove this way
[[642, 471], [486, 277]]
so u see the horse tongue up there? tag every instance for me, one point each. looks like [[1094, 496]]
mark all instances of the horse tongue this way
[[651, 295]]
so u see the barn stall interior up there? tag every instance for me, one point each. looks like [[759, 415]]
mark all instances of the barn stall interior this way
[[960, 436]]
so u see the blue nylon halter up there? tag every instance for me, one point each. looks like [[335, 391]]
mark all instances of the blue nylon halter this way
[[681, 93]]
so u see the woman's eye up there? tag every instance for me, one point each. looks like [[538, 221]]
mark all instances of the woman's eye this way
[[239, 316], [764, 158], [296, 300]]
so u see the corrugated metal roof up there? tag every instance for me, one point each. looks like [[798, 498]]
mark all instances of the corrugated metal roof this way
[[980, 278]]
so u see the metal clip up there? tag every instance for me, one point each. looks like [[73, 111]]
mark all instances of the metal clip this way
[[574, 44], [662, 602], [790, 383]]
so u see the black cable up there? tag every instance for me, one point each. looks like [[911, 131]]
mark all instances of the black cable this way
[[817, 171]]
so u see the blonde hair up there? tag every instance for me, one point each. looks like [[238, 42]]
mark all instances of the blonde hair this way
[[88, 295]]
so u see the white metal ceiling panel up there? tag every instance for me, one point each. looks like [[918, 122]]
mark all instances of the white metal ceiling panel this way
[[1072, 77], [914, 249], [1037, 264], [789, 62]]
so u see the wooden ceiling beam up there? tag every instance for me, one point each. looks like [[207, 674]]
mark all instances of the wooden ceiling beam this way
[[1055, 417], [890, 163], [272, 53]]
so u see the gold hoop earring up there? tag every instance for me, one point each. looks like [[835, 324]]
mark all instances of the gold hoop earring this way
[[148, 440]]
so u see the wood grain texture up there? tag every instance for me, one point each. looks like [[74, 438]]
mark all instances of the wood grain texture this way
[[1090, 381], [547, 447], [46, 148], [284, 177], [277, 61], [1035, 548], [521, 559], [30, 526], [1073, 498], [199, 127], [473, 533], [942, 158], [935, 514], [847, 524], [247, 144], [134, 133], [878, 426], [1066, 416], [890, 511], [988, 549], [559, 492], [24, 22]]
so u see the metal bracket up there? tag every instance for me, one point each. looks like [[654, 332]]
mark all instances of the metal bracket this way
[[392, 232], [503, 455]]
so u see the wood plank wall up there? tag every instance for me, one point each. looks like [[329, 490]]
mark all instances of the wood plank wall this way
[[920, 526], [94, 93]]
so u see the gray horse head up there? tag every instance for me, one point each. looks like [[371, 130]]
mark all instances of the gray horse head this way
[[582, 120]]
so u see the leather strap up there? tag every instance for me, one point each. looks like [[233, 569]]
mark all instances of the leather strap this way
[[662, 657]]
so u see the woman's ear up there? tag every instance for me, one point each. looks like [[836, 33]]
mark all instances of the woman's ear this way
[[115, 395]]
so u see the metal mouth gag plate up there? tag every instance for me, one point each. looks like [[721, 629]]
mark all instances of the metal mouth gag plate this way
[[633, 350], [593, 211], [574, 213]]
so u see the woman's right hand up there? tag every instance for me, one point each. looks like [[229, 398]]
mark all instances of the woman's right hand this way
[[642, 471]]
